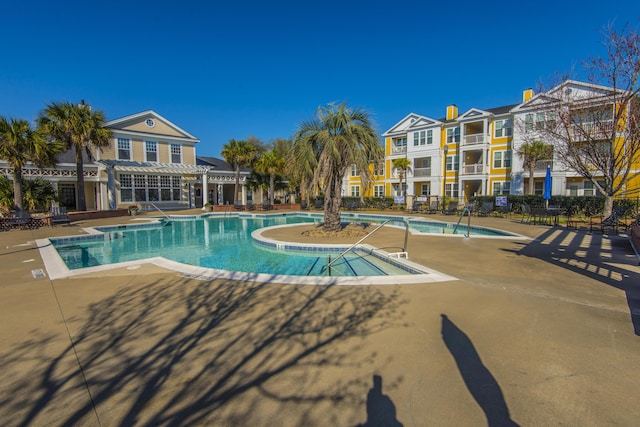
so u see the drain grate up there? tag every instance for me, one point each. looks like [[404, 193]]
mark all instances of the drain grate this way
[[37, 274]]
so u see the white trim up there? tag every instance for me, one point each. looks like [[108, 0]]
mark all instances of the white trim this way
[[156, 116]]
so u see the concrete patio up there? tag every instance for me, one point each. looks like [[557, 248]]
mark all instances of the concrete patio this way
[[534, 332]]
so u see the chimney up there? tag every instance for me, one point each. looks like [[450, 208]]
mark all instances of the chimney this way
[[527, 94], [452, 112]]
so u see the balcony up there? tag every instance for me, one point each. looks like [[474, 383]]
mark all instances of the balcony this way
[[541, 165], [398, 149], [592, 130], [421, 172], [474, 139], [472, 169]]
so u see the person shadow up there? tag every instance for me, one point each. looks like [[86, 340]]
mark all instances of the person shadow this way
[[481, 384], [381, 412]]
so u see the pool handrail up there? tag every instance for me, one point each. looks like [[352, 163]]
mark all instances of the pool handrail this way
[[383, 223]]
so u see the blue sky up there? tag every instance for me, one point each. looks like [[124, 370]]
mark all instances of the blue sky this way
[[230, 69]]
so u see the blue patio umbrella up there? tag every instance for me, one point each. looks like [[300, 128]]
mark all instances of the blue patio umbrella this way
[[547, 186]]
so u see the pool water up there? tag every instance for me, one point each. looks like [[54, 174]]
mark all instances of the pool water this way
[[221, 243]]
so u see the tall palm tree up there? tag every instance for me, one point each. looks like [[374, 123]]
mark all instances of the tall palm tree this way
[[403, 165], [336, 138], [238, 154], [271, 163], [531, 153], [80, 128], [20, 144]]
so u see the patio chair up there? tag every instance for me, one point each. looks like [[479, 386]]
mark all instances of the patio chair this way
[[540, 215], [526, 213], [251, 206], [416, 207], [452, 209], [304, 205], [58, 215], [613, 221], [266, 205], [433, 207], [486, 209], [319, 204], [504, 210], [238, 206], [19, 219]]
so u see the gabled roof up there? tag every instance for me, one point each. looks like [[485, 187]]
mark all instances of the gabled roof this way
[[137, 123], [567, 90], [411, 121], [217, 164], [472, 113]]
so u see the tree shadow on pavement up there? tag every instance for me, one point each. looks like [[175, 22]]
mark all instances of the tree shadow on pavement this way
[[609, 259], [183, 352]]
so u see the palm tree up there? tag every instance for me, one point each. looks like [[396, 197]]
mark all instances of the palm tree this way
[[403, 165], [531, 153], [271, 163], [238, 154], [20, 144], [80, 128], [328, 145]]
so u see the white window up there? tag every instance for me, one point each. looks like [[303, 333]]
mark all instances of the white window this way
[[379, 169], [176, 184], [355, 191], [453, 163], [502, 159], [126, 188], [124, 149], [503, 128], [176, 153], [430, 136], [140, 187], [501, 187], [528, 122], [378, 191], [453, 135], [425, 189], [354, 170], [419, 138], [153, 190], [588, 188], [451, 190], [151, 151]]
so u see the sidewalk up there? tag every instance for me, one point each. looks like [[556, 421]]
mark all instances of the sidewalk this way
[[537, 332]]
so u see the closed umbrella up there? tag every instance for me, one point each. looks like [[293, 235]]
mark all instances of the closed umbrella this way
[[547, 186]]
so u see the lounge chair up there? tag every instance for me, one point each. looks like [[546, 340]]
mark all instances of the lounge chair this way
[[238, 206], [416, 207], [266, 205], [251, 206], [19, 219], [58, 215], [452, 209], [434, 206], [504, 210], [319, 204], [613, 221], [486, 209], [304, 205], [526, 213]]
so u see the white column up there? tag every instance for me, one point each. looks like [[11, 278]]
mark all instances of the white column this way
[[205, 190], [111, 188]]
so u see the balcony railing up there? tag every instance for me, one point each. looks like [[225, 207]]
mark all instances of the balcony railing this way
[[541, 165], [472, 169], [422, 172], [600, 130], [398, 149], [477, 138]]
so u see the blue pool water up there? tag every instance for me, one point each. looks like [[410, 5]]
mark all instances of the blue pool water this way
[[216, 242], [225, 243]]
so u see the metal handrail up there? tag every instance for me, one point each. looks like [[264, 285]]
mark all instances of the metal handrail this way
[[467, 211], [350, 248], [160, 210]]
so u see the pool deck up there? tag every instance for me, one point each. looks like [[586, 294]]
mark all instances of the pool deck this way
[[533, 332]]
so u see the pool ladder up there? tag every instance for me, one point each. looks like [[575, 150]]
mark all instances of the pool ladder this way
[[468, 212], [166, 217], [382, 224]]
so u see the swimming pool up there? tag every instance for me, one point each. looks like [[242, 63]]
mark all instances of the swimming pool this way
[[210, 244]]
